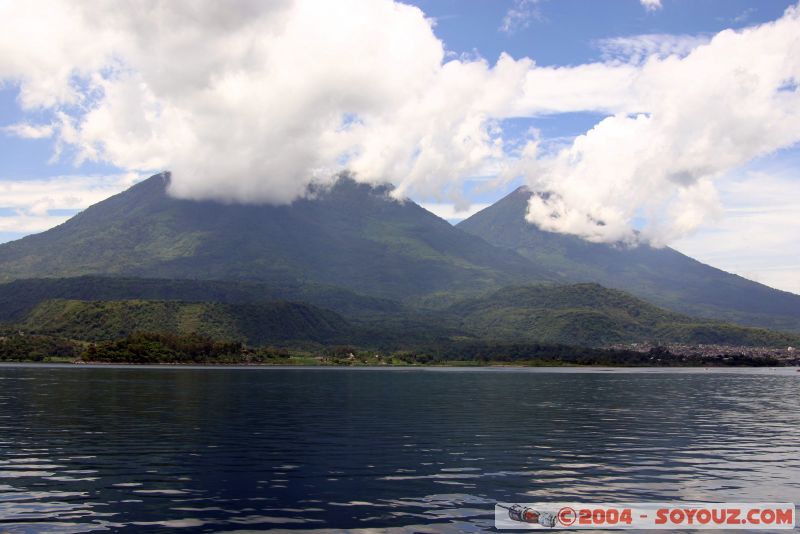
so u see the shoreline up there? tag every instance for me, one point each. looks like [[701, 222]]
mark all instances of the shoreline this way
[[783, 370]]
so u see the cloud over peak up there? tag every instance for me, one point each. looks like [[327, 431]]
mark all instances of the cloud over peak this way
[[696, 118], [251, 101]]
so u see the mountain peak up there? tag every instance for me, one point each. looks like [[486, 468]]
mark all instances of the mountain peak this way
[[156, 184], [350, 234], [662, 276], [515, 202], [342, 187], [520, 191]]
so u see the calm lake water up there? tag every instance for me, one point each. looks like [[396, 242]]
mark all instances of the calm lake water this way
[[401, 450]]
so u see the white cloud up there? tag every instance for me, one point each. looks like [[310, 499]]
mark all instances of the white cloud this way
[[29, 131], [62, 192], [451, 212], [29, 224], [520, 15], [638, 48], [283, 93], [651, 5], [759, 235], [691, 121], [250, 101], [31, 201]]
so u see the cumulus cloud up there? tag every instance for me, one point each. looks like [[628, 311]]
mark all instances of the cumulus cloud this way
[[251, 101], [651, 5], [696, 118]]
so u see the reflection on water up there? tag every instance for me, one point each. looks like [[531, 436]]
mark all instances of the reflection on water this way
[[85, 449]]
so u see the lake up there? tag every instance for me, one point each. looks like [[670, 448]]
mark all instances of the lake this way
[[140, 449]]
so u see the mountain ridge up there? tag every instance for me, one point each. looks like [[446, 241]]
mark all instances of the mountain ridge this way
[[355, 250], [351, 235], [662, 276], [590, 314]]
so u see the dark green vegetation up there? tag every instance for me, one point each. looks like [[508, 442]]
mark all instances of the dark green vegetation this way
[[586, 315], [20, 347], [591, 315], [258, 324], [160, 348], [662, 276], [534, 318], [19, 297], [352, 267], [351, 236], [539, 354], [169, 348]]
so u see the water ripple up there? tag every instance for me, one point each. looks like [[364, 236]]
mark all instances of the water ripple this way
[[328, 450]]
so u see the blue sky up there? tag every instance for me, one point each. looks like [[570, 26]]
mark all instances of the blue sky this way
[[563, 32], [570, 32], [553, 33]]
